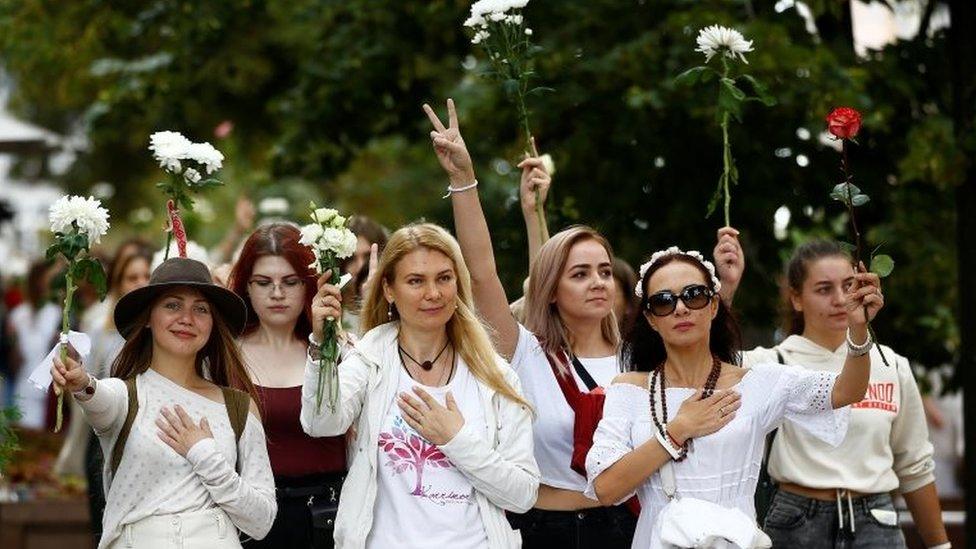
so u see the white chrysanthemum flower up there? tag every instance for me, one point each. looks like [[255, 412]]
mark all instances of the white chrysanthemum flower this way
[[168, 149], [191, 175], [310, 234], [528, 31], [720, 40], [481, 7], [206, 155], [337, 241], [193, 251], [474, 21], [87, 214], [480, 36]]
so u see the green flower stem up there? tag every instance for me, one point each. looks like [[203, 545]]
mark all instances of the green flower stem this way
[[726, 150], [857, 241], [726, 164], [169, 240], [507, 62], [523, 114], [328, 379], [68, 297]]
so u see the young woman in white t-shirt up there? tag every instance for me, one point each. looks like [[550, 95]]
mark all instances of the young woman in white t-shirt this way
[[443, 443], [568, 309], [829, 495]]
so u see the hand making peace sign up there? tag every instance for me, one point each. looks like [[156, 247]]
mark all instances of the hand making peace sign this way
[[449, 146]]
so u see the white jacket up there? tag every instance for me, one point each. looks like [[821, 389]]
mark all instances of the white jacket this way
[[502, 470]]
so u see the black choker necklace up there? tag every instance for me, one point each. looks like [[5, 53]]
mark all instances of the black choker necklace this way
[[427, 364]]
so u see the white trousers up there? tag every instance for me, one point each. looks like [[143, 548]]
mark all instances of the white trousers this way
[[210, 529]]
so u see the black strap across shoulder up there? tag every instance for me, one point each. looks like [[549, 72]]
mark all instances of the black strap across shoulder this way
[[584, 375]]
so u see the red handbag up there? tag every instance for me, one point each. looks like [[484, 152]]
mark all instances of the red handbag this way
[[588, 409]]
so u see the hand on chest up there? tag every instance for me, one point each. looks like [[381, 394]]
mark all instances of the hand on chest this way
[[145, 442]]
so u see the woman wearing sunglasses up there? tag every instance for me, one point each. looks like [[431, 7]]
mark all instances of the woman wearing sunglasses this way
[[685, 429], [569, 331], [828, 494], [273, 278]]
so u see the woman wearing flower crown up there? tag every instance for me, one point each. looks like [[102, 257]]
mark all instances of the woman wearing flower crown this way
[[829, 494], [569, 342], [685, 429]]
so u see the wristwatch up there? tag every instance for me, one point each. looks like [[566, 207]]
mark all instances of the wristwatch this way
[[88, 390]]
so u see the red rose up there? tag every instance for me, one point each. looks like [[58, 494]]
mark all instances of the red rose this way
[[844, 122]]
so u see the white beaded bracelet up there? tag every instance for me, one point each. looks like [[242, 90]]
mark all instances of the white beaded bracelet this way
[[451, 190], [854, 349], [946, 545]]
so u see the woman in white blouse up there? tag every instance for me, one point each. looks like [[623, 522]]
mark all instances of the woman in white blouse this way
[[443, 436], [685, 430], [182, 478]]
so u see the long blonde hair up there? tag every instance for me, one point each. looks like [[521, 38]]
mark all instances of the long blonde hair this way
[[542, 317], [464, 329]]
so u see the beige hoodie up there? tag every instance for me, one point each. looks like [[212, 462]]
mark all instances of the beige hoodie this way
[[887, 444]]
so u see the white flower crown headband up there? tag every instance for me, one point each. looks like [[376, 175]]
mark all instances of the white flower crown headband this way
[[674, 250]]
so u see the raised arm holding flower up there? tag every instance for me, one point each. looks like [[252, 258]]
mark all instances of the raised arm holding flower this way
[[77, 223]]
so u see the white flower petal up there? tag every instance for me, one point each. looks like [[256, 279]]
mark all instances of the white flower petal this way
[[716, 39]]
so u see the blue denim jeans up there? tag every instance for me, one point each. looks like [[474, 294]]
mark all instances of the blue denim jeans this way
[[796, 521]]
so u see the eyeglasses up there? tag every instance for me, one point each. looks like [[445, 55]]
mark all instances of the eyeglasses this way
[[695, 297], [288, 285]]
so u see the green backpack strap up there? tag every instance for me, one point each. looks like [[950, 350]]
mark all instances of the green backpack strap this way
[[130, 416], [237, 403]]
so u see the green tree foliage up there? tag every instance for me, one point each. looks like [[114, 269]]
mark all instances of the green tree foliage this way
[[325, 97]]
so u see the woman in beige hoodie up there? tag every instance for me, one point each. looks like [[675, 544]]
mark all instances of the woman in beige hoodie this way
[[833, 497]]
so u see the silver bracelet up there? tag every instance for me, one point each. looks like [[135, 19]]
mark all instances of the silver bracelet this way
[[854, 349], [451, 190]]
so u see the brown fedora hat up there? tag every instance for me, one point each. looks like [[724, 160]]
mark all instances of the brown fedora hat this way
[[174, 272]]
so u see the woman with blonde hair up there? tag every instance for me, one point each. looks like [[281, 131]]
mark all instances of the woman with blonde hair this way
[[568, 345], [444, 437]]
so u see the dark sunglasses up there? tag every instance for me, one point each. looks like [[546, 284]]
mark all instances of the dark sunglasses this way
[[665, 302]]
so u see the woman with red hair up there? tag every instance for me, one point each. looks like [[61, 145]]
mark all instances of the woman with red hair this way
[[273, 277]]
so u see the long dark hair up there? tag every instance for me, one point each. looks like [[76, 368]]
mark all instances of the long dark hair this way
[[282, 240], [644, 349], [218, 361], [797, 269]]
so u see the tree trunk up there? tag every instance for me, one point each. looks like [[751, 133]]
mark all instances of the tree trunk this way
[[963, 62]]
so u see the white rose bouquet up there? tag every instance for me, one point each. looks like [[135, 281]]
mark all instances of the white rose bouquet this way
[[77, 223], [191, 167], [330, 241]]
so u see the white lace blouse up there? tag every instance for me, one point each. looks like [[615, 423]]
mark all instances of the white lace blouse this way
[[723, 467]]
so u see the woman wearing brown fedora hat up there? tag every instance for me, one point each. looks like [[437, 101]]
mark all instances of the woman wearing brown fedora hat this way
[[185, 454]]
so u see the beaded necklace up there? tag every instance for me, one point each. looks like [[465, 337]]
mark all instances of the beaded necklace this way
[[657, 381]]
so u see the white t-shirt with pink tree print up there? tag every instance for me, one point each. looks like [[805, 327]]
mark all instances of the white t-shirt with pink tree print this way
[[422, 500]]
